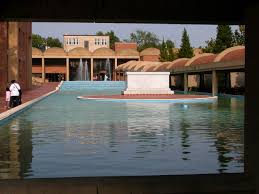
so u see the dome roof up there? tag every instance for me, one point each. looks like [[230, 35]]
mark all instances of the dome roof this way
[[147, 65], [150, 51], [162, 66], [103, 52], [204, 58], [231, 54], [55, 51], [79, 51], [36, 51]]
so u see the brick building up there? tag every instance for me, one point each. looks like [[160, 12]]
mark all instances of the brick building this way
[[125, 45], [150, 54], [90, 42], [15, 53]]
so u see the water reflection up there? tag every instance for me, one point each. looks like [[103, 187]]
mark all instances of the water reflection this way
[[116, 139], [15, 150], [228, 135], [147, 119]]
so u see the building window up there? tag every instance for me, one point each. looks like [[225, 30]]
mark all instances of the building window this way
[[95, 41], [69, 41]]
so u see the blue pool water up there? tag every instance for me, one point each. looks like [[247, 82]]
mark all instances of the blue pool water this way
[[65, 137]]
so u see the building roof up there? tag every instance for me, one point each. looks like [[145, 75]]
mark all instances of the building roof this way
[[163, 66], [150, 51], [147, 65], [231, 57], [204, 58], [79, 51], [36, 52], [55, 51], [233, 53], [103, 52]]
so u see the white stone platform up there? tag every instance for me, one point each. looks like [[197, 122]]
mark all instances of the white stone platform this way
[[147, 83]]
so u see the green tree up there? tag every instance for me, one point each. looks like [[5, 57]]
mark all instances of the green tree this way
[[224, 38], [112, 36], [38, 41], [41, 42], [170, 45], [166, 51], [144, 39], [185, 50], [209, 48], [99, 33], [53, 42], [239, 36], [163, 52]]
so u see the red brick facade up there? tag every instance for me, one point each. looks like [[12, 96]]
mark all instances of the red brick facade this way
[[3, 55], [125, 45], [15, 53], [24, 54]]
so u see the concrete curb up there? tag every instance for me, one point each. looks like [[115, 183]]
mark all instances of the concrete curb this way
[[151, 100], [9, 114]]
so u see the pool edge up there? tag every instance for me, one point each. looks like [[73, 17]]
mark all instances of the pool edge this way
[[9, 114]]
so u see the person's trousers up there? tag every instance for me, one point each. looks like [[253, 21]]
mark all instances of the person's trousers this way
[[14, 101]]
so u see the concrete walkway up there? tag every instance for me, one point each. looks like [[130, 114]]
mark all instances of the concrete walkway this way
[[31, 94]]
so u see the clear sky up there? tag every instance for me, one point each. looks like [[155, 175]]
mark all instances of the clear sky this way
[[198, 33]]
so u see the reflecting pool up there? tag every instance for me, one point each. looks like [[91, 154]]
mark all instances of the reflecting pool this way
[[65, 137]]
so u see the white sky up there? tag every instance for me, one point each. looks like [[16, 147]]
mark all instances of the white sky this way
[[198, 33]]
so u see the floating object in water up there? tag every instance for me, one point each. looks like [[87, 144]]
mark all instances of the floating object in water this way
[[185, 106]]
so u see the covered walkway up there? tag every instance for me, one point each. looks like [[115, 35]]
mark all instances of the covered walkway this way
[[223, 72]]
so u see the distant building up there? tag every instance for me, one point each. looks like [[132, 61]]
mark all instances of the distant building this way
[[90, 42], [150, 54]]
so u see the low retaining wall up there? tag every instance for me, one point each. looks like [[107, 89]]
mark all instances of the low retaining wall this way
[[9, 114]]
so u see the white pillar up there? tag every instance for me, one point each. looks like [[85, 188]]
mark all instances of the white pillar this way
[[43, 69], [115, 67], [67, 69], [92, 69]]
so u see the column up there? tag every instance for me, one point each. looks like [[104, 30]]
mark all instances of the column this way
[[185, 82], [92, 69], [67, 67], [43, 69], [214, 83], [251, 134], [201, 81], [228, 81], [115, 67]]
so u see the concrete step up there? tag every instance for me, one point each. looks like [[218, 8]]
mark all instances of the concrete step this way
[[82, 85]]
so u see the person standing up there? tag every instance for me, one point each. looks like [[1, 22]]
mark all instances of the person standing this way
[[15, 89], [7, 98]]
